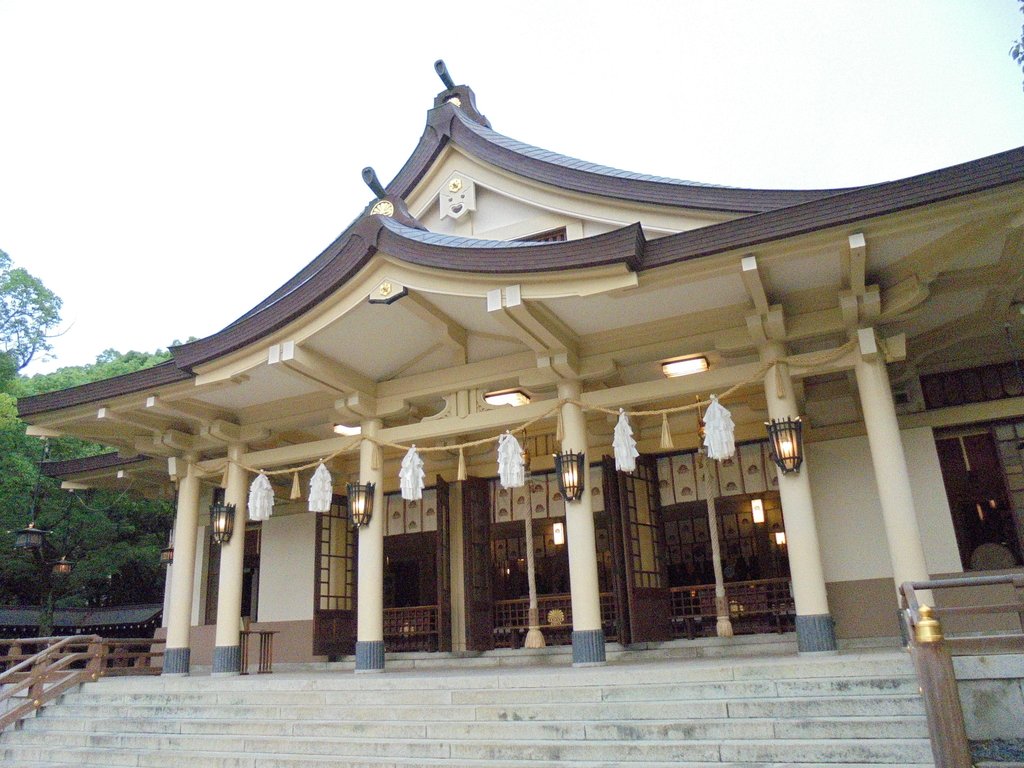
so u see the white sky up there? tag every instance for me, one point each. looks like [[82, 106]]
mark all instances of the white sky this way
[[166, 165]]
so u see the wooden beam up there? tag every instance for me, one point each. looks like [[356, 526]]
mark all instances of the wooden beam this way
[[531, 323], [182, 410], [935, 257], [754, 283], [319, 369], [453, 335], [857, 264], [34, 430], [180, 441]]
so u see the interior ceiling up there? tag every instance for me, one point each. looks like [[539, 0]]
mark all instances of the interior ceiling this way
[[661, 300], [374, 339], [468, 311], [886, 251], [939, 310], [820, 269], [261, 384], [987, 253]]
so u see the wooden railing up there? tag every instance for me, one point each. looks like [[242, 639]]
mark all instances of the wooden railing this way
[[265, 651], [511, 619], [932, 653], [411, 629], [764, 605], [38, 669]]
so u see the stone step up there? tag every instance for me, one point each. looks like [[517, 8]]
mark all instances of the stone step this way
[[859, 708], [121, 749], [270, 761], [281, 696], [813, 728], [413, 710], [858, 665]]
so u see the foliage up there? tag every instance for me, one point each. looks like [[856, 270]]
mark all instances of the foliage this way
[[1017, 49], [113, 536], [28, 311], [108, 363]]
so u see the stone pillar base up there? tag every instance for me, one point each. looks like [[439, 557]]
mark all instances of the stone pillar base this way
[[227, 660], [369, 656], [587, 647], [176, 661], [815, 633]]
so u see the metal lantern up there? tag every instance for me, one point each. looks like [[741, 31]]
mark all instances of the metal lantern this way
[[62, 567], [167, 555], [785, 441], [570, 468], [222, 521], [29, 538], [360, 503]]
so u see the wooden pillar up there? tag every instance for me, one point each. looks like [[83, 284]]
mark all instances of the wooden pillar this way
[[226, 651], [815, 629], [906, 552], [587, 635], [370, 589], [186, 532]]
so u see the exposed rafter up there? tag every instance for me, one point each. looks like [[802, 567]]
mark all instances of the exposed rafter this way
[[453, 335], [319, 369]]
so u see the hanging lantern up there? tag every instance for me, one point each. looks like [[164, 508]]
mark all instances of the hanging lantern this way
[[360, 503], [62, 567], [785, 442], [222, 521], [29, 538], [167, 555], [570, 467]]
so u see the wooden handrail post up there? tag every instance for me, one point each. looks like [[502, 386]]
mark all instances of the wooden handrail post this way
[[946, 727], [38, 677], [97, 653]]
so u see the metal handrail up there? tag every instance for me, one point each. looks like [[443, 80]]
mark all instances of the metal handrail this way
[[931, 652]]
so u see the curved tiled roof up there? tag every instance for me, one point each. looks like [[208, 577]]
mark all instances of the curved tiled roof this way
[[448, 123], [88, 463], [139, 381], [465, 254], [803, 212]]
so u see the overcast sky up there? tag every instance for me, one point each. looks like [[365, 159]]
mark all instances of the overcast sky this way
[[166, 165]]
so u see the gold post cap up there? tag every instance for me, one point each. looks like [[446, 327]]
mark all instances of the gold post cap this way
[[927, 629]]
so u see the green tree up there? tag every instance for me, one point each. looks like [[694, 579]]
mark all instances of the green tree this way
[[1017, 49], [113, 536], [28, 312], [109, 363]]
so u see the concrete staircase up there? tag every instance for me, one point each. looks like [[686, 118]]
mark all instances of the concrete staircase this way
[[852, 709]]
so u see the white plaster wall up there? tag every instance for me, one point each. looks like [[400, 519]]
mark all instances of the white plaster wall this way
[[167, 595], [930, 502], [287, 549], [199, 584], [849, 512], [504, 200]]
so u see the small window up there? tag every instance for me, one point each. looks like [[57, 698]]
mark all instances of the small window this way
[[551, 236]]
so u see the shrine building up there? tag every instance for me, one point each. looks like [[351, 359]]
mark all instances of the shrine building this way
[[496, 287]]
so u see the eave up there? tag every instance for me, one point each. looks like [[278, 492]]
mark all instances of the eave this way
[[447, 123], [139, 381], [857, 205]]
